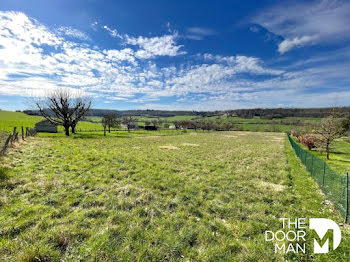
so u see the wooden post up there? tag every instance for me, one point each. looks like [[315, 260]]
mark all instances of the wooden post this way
[[6, 144], [22, 133], [347, 198]]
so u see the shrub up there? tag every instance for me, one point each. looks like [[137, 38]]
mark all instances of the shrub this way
[[309, 141], [297, 132]]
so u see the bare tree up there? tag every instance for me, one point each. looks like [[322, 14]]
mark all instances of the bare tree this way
[[156, 123], [329, 130], [104, 122], [62, 107], [129, 121], [110, 120]]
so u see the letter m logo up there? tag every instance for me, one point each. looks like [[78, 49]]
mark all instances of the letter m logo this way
[[325, 229]]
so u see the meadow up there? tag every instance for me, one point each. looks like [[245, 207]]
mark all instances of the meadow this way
[[9, 120], [205, 196]]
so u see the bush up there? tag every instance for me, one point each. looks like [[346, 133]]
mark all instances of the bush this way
[[309, 141], [297, 132]]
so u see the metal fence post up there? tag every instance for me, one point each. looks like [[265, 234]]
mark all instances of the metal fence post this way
[[347, 198]]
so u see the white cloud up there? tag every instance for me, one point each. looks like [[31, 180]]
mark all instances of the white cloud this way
[[32, 63], [199, 33], [306, 23], [155, 46], [289, 44], [243, 64], [72, 32], [112, 32]]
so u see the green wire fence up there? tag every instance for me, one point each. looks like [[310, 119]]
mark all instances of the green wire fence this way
[[335, 186]]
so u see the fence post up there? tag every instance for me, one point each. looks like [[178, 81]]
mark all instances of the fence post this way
[[22, 133], [347, 198], [324, 173]]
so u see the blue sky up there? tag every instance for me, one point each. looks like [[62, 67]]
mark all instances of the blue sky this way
[[176, 55]]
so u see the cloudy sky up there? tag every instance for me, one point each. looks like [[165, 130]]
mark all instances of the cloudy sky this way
[[190, 55]]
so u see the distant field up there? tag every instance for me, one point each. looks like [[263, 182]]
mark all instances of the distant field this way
[[190, 197], [9, 120]]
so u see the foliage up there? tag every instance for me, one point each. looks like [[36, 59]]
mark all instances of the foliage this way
[[329, 130], [110, 121], [310, 141]]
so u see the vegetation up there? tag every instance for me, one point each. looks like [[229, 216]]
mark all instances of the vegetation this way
[[110, 121], [339, 155], [9, 120], [264, 113], [329, 130], [196, 196], [62, 107]]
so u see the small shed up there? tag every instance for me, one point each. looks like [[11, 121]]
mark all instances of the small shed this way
[[45, 126], [151, 128]]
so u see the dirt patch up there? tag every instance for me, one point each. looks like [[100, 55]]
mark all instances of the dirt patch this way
[[272, 186], [188, 144], [277, 138], [229, 136], [169, 147]]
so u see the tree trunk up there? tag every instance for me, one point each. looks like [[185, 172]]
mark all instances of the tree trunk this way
[[73, 129], [109, 129], [66, 128], [128, 129], [104, 130]]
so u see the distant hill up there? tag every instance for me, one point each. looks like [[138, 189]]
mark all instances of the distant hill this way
[[270, 113], [148, 113], [267, 113]]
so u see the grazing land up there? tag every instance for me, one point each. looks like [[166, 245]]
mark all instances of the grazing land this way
[[9, 120], [190, 197]]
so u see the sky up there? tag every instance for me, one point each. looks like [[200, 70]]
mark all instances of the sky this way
[[176, 55]]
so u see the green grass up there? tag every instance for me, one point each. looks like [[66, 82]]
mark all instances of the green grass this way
[[204, 197], [9, 120], [339, 155]]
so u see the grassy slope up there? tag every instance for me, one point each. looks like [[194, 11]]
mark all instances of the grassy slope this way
[[108, 198], [8, 120]]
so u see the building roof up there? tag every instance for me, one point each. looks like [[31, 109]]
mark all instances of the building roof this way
[[45, 123]]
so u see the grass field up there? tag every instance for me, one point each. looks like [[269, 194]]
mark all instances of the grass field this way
[[189, 197], [9, 120]]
